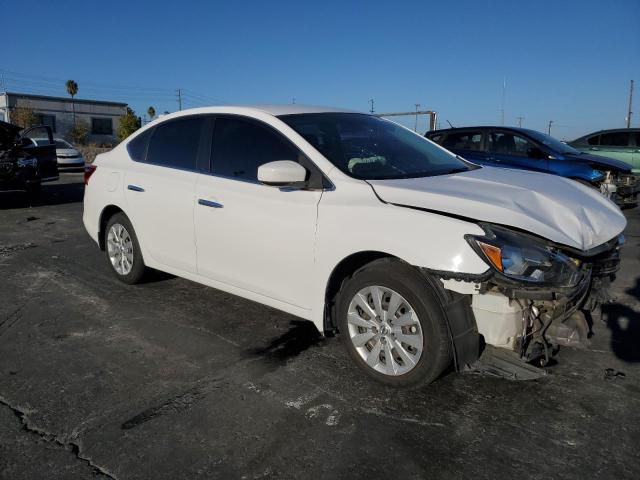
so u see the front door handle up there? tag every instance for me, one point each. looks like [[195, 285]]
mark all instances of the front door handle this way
[[209, 203], [135, 188]]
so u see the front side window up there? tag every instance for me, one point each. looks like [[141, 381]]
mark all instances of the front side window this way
[[463, 141], [595, 140], [239, 147], [101, 126], [371, 148], [615, 139], [507, 143], [174, 143]]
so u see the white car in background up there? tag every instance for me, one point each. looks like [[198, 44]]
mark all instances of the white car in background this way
[[417, 257], [67, 155]]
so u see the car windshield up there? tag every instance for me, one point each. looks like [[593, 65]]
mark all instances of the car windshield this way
[[371, 148], [552, 143], [62, 144]]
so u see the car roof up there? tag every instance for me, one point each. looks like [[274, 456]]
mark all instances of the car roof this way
[[525, 131], [271, 109], [610, 130]]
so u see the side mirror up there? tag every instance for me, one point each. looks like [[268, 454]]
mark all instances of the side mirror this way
[[535, 152], [281, 173]]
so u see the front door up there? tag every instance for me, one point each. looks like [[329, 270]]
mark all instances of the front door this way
[[510, 150], [42, 147], [249, 235]]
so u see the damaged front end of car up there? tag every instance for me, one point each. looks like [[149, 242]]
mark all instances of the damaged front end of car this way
[[538, 295]]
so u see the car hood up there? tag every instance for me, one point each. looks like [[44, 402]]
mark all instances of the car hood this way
[[552, 207], [8, 134], [66, 152], [601, 163]]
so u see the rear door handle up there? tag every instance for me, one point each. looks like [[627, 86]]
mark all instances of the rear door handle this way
[[209, 203], [135, 188]]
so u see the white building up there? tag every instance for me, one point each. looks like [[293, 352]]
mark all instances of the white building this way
[[102, 117]]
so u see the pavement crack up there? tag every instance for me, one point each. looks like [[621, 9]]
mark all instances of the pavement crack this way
[[50, 437]]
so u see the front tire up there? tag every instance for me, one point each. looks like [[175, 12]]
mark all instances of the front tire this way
[[123, 250], [393, 324]]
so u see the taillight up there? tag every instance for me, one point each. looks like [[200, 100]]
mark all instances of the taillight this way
[[88, 171]]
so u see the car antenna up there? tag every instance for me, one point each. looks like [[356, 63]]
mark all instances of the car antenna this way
[[450, 124]]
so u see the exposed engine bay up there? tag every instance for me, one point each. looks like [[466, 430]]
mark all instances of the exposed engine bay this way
[[532, 320]]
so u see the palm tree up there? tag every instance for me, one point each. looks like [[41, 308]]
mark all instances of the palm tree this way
[[152, 112], [72, 89]]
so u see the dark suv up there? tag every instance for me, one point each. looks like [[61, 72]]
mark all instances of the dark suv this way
[[525, 149], [24, 165]]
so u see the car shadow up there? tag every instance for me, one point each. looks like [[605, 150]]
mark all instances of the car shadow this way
[[301, 336], [50, 194], [624, 323]]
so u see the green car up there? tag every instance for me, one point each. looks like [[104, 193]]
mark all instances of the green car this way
[[621, 144]]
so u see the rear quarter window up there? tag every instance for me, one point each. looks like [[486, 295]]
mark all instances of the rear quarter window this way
[[137, 147]]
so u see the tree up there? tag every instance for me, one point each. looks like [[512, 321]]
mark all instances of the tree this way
[[79, 132], [152, 112], [24, 116], [129, 123], [72, 89]]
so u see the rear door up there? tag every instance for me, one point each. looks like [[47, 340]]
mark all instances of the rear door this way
[[469, 144], [511, 150], [159, 189], [43, 148], [616, 144]]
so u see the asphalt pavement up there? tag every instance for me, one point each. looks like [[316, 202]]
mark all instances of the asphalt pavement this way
[[172, 380]]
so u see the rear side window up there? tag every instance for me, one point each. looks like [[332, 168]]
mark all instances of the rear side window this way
[[239, 147], [463, 141], [615, 139], [436, 138], [175, 143], [137, 147], [595, 140]]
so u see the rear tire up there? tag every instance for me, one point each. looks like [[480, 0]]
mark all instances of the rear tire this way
[[414, 334], [123, 250]]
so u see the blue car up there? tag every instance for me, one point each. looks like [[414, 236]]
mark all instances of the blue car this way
[[510, 147]]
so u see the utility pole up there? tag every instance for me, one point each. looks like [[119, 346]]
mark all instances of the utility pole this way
[[293, 100], [415, 129], [520, 121], [504, 90], [550, 122], [629, 112], [179, 90], [371, 103]]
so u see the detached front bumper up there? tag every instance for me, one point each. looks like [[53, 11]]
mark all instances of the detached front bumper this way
[[622, 188]]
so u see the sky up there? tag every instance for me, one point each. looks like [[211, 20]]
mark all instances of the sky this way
[[566, 61]]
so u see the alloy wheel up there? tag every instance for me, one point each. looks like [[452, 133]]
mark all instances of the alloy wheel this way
[[385, 330]]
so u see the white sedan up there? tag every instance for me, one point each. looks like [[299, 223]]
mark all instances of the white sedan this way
[[67, 155], [418, 258]]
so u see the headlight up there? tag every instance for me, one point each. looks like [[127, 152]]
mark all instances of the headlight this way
[[27, 162], [525, 258]]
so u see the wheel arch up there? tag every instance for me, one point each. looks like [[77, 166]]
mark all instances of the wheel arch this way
[[107, 212], [461, 323], [341, 272]]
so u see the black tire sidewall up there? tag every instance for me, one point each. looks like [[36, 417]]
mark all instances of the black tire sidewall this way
[[138, 268], [436, 354]]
